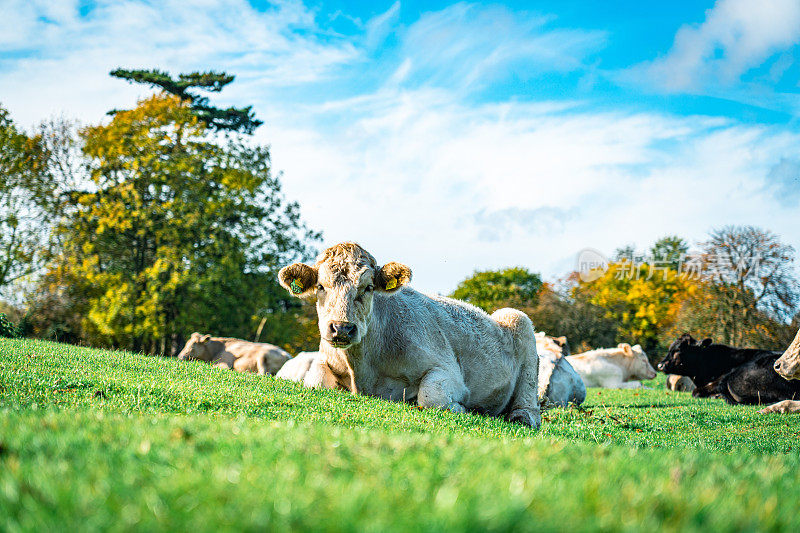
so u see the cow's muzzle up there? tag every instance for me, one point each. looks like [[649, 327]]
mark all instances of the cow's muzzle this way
[[341, 334]]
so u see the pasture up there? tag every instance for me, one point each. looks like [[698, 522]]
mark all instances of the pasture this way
[[95, 439]]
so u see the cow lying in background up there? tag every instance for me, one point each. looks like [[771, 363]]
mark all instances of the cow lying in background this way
[[297, 367], [382, 338], [559, 384], [705, 362], [788, 367], [613, 368], [236, 354], [680, 383], [755, 383]]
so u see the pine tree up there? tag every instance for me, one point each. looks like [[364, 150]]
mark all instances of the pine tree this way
[[241, 119]]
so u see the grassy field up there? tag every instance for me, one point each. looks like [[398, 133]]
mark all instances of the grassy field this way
[[93, 439]]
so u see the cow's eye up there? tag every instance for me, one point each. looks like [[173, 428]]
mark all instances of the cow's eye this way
[[369, 288], [320, 287]]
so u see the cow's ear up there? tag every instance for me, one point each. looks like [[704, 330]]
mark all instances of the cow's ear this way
[[626, 348], [204, 339], [706, 342], [299, 279], [392, 276]]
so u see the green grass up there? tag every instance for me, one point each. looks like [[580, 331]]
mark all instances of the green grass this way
[[94, 439]]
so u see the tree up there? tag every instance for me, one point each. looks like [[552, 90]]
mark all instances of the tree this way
[[494, 289], [561, 310], [670, 250], [180, 230], [240, 120], [749, 290], [24, 189], [642, 299]]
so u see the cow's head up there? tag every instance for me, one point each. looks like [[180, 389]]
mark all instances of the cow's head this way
[[556, 345], [788, 365], [344, 280], [638, 364], [196, 348], [685, 356]]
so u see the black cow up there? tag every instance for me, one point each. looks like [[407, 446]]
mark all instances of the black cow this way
[[706, 362], [756, 383]]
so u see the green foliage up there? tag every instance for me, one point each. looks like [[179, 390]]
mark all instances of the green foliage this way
[[7, 328], [179, 231], [643, 300], [158, 444], [670, 250], [240, 120], [24, 188], [494, 289], [562, 311]]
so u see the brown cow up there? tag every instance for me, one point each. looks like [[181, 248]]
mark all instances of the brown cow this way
[[236, 354], [680, 383]]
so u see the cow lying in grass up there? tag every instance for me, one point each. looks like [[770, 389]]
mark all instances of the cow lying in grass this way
[[297, 367], [236, 354], [756, 383], [382, 338], [559, 383], [705, 362], [680, 383], [613, 368], [788, 367]]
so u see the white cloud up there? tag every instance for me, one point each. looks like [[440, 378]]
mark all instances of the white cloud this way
[[467, 45], [783, 181], [61, 60], [736, 36], [450, 188], [413, 170]]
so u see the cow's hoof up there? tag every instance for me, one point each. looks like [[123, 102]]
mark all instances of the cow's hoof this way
[[525, 417], [456, 407]]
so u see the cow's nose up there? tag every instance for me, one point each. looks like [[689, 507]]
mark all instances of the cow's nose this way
[[342, 330]]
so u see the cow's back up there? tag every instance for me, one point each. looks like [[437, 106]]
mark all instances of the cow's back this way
[[252, 356], [756, 382], [296, 368]]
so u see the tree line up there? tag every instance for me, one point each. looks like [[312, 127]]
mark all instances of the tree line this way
[[166, 219], [738, 288]]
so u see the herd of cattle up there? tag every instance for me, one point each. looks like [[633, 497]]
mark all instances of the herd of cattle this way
[[382, 338]]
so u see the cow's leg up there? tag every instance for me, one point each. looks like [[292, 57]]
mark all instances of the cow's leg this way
[[261, 365], [786, 406], [442, 389], [525, 399]]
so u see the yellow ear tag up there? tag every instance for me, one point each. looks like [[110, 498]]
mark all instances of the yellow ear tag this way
[[297, 286], [391, 283]]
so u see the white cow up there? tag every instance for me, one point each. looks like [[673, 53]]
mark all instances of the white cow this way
[[613, 368], [296, 368], [788, 366], [382, 338], [559, 384], [236, 354]]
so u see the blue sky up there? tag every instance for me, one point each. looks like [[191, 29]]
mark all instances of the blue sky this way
[[456, 136]]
